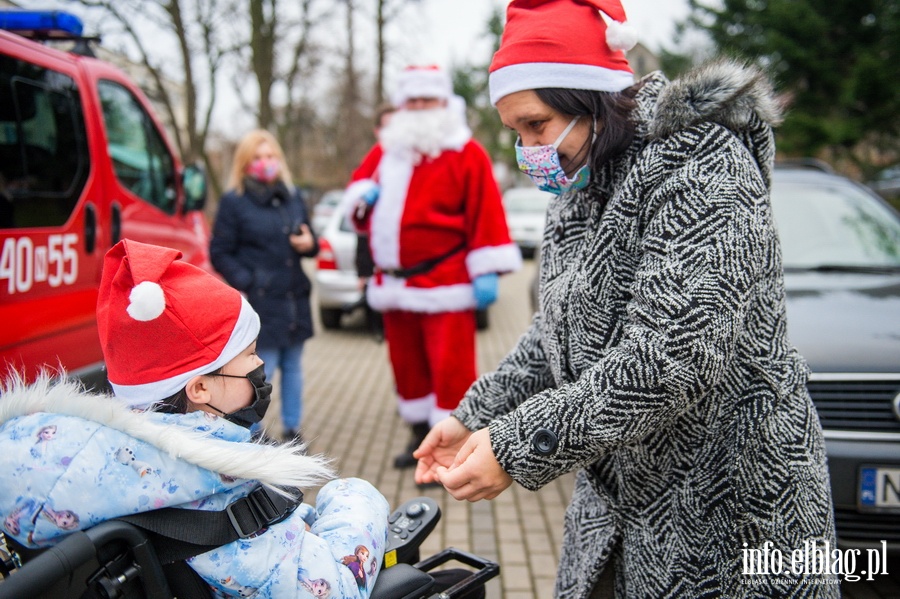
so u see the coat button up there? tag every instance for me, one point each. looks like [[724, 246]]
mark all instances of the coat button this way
[[558, 233], [544, 441]]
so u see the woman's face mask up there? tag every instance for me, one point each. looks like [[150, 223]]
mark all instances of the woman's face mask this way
[[253, 413], [265, 170], [541, 164]]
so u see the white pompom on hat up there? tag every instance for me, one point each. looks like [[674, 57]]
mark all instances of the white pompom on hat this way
[[562, 44], [422, 82], [163, 321]]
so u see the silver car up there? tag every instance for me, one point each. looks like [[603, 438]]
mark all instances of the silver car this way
[[526, 212], [324, 208], [337, 285]]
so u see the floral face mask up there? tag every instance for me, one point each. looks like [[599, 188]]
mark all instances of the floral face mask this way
[[264, 170], [541, 164]]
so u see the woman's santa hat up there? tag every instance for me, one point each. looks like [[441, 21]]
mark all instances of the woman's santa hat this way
[[163, 321], [562, 44]]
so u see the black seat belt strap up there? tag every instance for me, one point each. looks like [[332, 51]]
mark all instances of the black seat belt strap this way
[[182, 533]]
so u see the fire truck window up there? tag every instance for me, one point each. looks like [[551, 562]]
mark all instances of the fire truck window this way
[[44, 160], [139, 155]]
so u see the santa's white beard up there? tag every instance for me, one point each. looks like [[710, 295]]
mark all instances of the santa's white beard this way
[[428, 132]]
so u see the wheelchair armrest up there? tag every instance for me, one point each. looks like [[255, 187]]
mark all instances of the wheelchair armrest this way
[[41, 573], [485, 570], [401, 581], [59, 562]]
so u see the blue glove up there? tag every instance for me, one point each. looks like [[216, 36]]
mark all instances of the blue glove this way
[[371, 196], [485, 287]]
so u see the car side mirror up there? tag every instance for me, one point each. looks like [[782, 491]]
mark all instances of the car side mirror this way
[[193, 181]]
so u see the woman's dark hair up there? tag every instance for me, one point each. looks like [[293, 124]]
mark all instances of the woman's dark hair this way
[[177, 403], [613, 110]]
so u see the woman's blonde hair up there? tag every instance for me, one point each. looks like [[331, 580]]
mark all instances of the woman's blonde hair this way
[[243, 156]]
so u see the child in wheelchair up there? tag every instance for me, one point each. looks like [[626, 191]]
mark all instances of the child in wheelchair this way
[[180, 351]]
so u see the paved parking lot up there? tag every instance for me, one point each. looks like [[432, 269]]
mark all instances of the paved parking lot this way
[[350, 415]]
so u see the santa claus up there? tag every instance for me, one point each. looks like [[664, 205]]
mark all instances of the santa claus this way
[[427, 197]]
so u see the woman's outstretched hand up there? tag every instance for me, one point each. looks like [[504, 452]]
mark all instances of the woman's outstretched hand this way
[[474, 473], [439, 448]]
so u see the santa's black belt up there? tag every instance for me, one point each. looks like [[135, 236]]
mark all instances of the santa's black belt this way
[[421, 267]]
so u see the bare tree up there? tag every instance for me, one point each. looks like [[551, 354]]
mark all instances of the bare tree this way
[[386, 11], [191, 26]]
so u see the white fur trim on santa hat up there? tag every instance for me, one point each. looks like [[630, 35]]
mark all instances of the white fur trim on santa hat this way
[[538, 75], [621, 36], [394, 294], [414, 411], [245, 332], [422, 82], [494, 258], [146, 301]]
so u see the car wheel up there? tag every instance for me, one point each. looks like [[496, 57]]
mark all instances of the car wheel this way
[[331, 317], [481, 319]]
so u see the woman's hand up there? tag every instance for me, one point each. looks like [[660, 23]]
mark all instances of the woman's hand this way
[[303, 241], [439, 448], [475, 473]]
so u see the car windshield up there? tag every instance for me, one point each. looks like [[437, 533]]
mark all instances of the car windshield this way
[[526, 200], [834, 227]]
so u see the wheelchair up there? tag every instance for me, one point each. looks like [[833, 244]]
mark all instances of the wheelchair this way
[[118, 560]]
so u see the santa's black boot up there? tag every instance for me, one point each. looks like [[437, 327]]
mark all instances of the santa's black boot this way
[[406, 459]]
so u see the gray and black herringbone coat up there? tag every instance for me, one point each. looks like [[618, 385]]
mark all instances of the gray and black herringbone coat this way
[[659, 367]]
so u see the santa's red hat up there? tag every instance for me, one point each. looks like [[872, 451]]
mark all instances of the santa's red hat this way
[[163, 321], [562, 44], [422, 82]]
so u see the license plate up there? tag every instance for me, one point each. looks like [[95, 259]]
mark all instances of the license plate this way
[[879, 488]]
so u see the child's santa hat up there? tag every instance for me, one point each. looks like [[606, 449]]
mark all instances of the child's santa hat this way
[[422, 82], [562, 44], [163, 321]]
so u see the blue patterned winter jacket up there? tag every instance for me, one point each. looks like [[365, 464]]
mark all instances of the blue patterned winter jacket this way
[[71, 460]]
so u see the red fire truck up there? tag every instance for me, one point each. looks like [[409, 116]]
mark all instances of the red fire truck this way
[[83, 164]]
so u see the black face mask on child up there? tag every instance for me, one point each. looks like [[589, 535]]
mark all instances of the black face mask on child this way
[[253, 413]]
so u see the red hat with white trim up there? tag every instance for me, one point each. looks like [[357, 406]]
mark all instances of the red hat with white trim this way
[[562, 44], [163, 321], [422, 82]]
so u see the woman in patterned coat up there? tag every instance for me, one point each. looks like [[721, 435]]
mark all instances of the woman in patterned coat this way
[[658, 366]]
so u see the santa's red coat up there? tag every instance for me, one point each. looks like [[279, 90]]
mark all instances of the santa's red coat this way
[[427, 207]]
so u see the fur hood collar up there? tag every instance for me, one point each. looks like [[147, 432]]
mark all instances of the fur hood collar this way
[[276, 466], [725, 92]]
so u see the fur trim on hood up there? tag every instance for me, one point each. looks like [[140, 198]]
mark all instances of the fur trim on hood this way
[[724, 91], [276, 466]]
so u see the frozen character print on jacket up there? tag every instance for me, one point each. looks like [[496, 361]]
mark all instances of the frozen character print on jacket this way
[[318, 587], [125, 456], [29, 510], [357, 565], [63, 519], [44, 436], [233, 585]]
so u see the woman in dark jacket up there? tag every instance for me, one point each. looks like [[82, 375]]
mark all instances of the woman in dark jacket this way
[[260, 235]]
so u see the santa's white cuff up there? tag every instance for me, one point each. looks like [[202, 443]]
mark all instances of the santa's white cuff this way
[[496, 258], [415, 411]]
